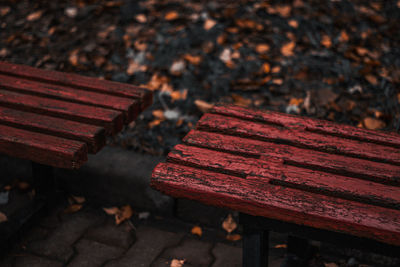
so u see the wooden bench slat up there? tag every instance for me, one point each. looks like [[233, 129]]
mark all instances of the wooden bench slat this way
[[41, 148], [376, 171], [310, 124], [110, 119], [78, 81], [291, 205], [277, 172], [129, 106], [330, 144], [93, 136]]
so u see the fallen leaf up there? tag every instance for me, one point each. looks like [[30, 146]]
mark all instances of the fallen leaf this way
[[134, 67], [277, 81], [234, 237], [362, 51], [240, 100], [3, 52], [229, 224], [73, 208], [280, 246], [296, 101], [78, 200], [276, 69], [293, 23], [326, 41], [331, 264], [124, 213], [177, 263], [284, 11], [209, 23], [23, 186], [179, 95], [371, 79], [203, 106], [159, 114], [196, 230], [3, 217], [266, 68], [195, 60], [373, 124], [287, 49], [344, 37], [141, 18], [172, 15], [73, 57], [154, 123], [34, 16], [4, 10], [111, 211], [262, 48]]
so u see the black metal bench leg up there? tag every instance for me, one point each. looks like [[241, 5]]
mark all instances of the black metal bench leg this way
[[43, 181], [255, 247]]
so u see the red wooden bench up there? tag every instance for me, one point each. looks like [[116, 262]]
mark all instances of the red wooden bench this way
[[55, 119], [313, 178]]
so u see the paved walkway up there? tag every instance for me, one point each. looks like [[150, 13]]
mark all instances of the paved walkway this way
[[91, 238]]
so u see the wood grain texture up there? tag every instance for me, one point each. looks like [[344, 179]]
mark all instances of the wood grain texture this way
[[130, 107], [315, 141], [111, 120], [81, 82], [93, 136], [260, 198], [276, 172], [310, 124], [352, 167], [41, 148]]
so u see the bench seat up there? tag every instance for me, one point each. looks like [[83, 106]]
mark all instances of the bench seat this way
[[56, 119], [297, 170]]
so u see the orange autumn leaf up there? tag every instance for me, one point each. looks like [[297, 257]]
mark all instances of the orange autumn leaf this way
[[293, 23], [196, 230], [195, 60], [371, 79], [262, 48], [172, 15], [177, 263], [266, 68], [125, 213], [280, 246], [296, 101], [287, 49], [111, 211], [373, 124], [326, 41], [208, 24], [344, 37], [159, 114], [203, 106], [34, 16]]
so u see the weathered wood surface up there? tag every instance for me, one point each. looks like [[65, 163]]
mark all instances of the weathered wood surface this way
[[93, 136], [41, 148], [67, 109], [128, 106], [111, 120], [268, 164], [81, 82]]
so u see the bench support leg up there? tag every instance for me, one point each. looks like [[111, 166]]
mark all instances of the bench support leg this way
[[43, 180], [255, 247]]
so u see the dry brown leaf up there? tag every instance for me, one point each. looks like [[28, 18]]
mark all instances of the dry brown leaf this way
[[196, 230], [195, 60], [344, 37], [287, 49], [179, 95], [326, 41], [362, 51], [296, 101], [34, 16], [240, 100], [277, 81], [134, 67], [73, 208], [276, 69], [208, 24], [284, 11], [159, 114], [141, 18], [23, 186], [262, 48], [177, 263], [111, 211], [234, 237], [280, 246], [125, 213], [203, 106], [140, 45], [78, 200], [229, 224], [373, 124], [266, 68], [172, 15], [371, 79], [3, 217], [73, 57], [4, 10], [293, 23], [331, 264], [154, 123]]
